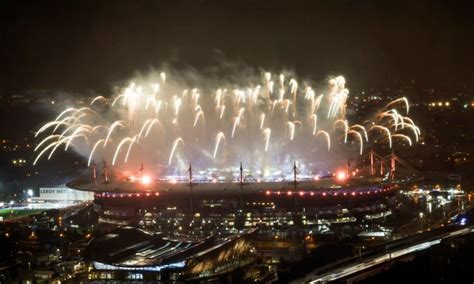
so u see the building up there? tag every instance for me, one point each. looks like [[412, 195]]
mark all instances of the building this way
[[135, 254], [63, 194]]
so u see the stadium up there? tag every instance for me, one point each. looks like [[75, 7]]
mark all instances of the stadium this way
[[124, 198], [269, 124]]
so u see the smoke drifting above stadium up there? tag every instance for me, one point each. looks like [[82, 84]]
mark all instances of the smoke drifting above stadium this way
[[267, 122]]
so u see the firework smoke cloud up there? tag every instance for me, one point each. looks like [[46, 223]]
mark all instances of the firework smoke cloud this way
[[267, 123]]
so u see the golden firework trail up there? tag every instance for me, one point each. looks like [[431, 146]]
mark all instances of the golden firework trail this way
[[126, 126]]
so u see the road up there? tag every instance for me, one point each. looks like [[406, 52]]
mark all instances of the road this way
[[369, 262]]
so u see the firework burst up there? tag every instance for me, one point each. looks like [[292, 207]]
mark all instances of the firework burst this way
[[159, 123]]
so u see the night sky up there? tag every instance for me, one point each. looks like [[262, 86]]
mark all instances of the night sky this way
[[80, 45]]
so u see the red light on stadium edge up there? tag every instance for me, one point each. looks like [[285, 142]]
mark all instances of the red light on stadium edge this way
[[146, 180], [157, 193], [312, 193], [301, 193], [267, 192], [324, 193], [341, 176], [289, 193], [353, 193]]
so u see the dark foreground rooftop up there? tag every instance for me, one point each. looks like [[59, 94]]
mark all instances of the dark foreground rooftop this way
[[129, 248]]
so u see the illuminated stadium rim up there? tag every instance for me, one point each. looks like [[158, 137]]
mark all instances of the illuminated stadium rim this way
[[104, 266], [335, 193], [197, 178]]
